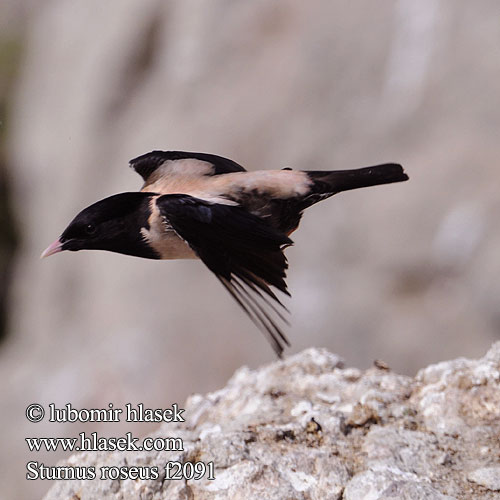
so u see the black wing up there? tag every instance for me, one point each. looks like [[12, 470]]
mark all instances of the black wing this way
[[146, 164], [241, 249]]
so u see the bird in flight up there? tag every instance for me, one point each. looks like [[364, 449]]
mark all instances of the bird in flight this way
[[200, 205]]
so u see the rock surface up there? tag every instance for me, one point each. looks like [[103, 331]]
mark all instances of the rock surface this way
[[308, 428]]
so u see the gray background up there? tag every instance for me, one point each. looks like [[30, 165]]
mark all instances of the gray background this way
[[407, 273]]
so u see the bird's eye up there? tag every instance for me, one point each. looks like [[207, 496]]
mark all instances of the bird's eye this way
[[90, 229]]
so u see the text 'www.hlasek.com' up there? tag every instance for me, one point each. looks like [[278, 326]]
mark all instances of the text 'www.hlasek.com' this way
[[171, 470]]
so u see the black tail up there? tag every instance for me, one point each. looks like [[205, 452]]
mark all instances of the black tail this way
[[329, 183]]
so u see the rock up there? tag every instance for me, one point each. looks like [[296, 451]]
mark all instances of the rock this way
[[308, 428], [387, 483], [489, 477]]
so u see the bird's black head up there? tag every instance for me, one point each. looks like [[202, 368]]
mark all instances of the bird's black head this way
[[112, 224]]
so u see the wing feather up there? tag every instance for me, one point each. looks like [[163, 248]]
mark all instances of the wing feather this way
[[146, 164], [242, 250]]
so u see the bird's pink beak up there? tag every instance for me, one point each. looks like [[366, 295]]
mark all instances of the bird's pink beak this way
[[55, 247]]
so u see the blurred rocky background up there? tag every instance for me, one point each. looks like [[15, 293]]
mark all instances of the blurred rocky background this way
[[408, 273]]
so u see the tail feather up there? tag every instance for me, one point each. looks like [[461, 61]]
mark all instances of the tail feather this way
[[329, 183]]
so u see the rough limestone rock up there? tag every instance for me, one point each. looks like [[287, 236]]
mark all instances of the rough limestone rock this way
[[308, 428]]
